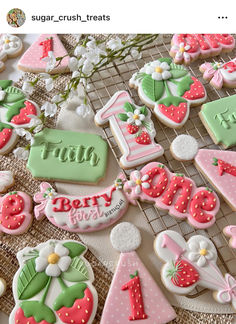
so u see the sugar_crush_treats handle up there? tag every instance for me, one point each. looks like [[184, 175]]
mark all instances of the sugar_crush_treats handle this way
[[191, 263], [15, 215]]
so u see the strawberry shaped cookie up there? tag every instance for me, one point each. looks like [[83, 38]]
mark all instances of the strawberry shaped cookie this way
[[133, 294], [192, 263], [169, 90], [15, 112], [54, 285]]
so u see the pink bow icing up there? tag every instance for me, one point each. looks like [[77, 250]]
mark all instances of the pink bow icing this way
[[39, 197], [215, 75], [229, 293]]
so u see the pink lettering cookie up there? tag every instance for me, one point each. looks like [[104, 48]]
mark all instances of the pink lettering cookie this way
[[81, 214], [169, 90], [10, 47], [46, 49], [231, 232], [189, 47], [176, 193], [15, 214], [133, 130], [54, 285], [193, 263], [220, 74], [133, 295]]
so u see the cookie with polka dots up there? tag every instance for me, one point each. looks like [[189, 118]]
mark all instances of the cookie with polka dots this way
[[169, 90]]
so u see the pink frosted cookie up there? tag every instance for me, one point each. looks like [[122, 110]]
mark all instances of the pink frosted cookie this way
[[10, 47], [47, 48], [220, 74], [231, 232], [193, 263], [169, 90], [176, 193], [15, 215], [133, 294], [81, 213], [189, 47], [133, 130], [54, 285]]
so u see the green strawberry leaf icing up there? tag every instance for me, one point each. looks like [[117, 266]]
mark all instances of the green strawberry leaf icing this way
[[30, 282], [39, 311], [184, 85], [14, 109], [165, 59], [153, 89], [3, 126], [5, 83], [128, 107], [177, 71], [77, 271], [144, 111], [13, 94], [123, 117], [68, 296], [75, 249], [171, 100]]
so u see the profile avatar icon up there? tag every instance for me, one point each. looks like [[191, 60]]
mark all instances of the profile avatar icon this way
[[16, 17]]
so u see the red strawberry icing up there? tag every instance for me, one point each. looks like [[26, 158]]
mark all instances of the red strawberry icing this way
[[157, 188], [11, 217], [174, 113], [143, 138], [21, 319], [203, 200], [80, 312], [5, 136], [196, 90], [183, 274], [22, 117]]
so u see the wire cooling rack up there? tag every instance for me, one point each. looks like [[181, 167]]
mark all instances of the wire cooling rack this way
[[116, 77]]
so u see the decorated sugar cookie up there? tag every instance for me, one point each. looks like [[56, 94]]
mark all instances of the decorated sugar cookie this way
[[3, 287], [68, 156], [81, 213], [230, 231], [133, 295], [46, 48], [176, 193], [10, 46], [219, 167], [15, 111], [193, 263], [15, 214], [189, 47], [133, 130], [220, 74], [219, 118], [168, 89], [6, 180], [54, 285]]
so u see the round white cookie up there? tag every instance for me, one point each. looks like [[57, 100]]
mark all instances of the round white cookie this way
[[184, 147], [125, 237]]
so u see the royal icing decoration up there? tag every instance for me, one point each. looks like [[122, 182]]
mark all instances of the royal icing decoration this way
[[3, 287], [169, 89], [231, 232], [68, 156], [192, 263], [184, 147], [47, 46], [54, 285], [15, 109], [133, 294], [81, 213], [133, 129], [173, 192], [10, 47], [220, 169], [219, 118], [15, 214], [6, 180], [220, 74], [189, 47]]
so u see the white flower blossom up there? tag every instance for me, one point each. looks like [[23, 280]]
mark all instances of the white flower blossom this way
[[200, 252], [135, 54], [83, 110], [181, 51], [49, 109], [139, 182], [87, 67], [57, 98], [135, 118], [27, 87], [48, 81], [79, 50], [2, 94], [114, 44], [158, 70], [75, 74], [73, 64], [8, 41], [35, 122], [21, 153], [50, 60]]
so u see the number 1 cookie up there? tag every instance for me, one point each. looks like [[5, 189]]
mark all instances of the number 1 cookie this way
[[169, 90], [192, 263], [54, 285]]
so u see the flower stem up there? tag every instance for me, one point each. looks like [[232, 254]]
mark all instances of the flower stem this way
[[62, 283], [167, 89], [42, 300]]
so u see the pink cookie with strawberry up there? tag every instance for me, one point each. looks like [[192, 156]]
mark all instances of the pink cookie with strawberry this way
[[54, 285], [168, 89]]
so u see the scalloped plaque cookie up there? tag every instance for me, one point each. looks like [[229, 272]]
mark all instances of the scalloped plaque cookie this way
[[54, 285], [168, 89]]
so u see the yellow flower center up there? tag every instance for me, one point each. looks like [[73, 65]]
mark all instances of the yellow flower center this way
[[203, 252], [53, 258], [50, 194], [135, 116], [7, 41], [158, 69], [181, 49], [138, 181]]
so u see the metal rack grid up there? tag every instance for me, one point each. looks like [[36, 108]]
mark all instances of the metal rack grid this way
[[116, 77]]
